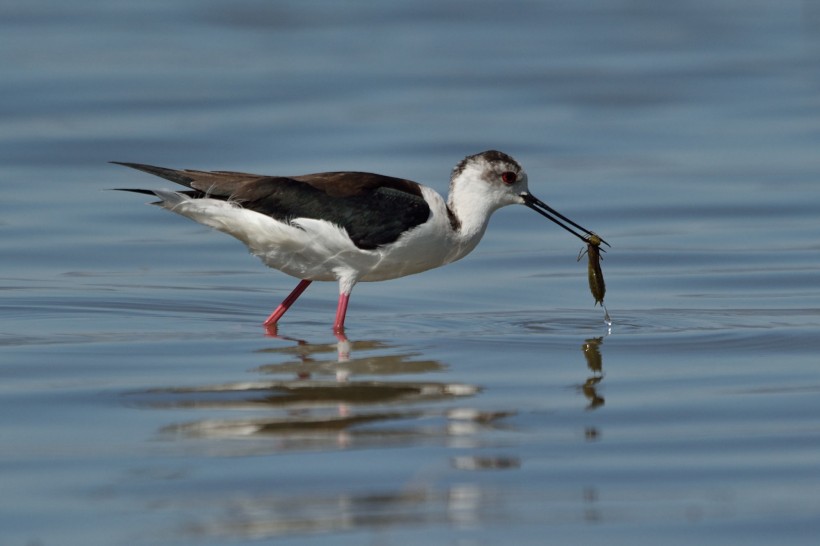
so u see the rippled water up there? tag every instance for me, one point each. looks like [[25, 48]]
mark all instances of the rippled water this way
[[141, 401]]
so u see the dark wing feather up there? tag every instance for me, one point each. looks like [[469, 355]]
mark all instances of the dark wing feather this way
[[374, 209]]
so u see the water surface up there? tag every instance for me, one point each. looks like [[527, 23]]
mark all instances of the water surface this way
[[143, 403]]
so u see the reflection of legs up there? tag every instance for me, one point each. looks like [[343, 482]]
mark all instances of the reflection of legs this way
[[341, 311], [285, 305]]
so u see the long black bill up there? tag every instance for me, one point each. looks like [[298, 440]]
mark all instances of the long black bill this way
[[551, 214]]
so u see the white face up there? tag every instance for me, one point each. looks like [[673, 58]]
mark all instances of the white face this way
[[496, 175]]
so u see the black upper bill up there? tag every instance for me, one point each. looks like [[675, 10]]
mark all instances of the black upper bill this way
[[551, 214]]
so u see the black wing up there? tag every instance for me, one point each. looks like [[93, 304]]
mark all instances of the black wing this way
[[374, 209]]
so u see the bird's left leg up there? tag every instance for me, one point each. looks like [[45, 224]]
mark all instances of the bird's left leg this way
[[346, 284], [341, 311]]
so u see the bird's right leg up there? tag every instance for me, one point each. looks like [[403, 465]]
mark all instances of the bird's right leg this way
[[285, 305]]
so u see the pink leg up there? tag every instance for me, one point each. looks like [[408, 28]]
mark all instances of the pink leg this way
[[285, 305], [341, 311]]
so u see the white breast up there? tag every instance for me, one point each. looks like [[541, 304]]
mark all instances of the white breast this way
[[318, 250]]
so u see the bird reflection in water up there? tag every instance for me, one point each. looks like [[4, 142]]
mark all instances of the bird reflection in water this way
[[334, 359], [314, 400], [355, 394], [343, 345]]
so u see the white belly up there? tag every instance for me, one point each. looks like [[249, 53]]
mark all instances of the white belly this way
[[320, 251]]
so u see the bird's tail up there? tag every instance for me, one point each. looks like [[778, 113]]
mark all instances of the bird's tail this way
[[173, 175]]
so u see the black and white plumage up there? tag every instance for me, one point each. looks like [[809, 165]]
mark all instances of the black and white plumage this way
[[351, 227]]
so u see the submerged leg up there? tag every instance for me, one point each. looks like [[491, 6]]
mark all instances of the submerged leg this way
[[285, 305], [341, 311]]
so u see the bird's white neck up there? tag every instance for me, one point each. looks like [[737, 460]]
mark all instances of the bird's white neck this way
[[471, 211]]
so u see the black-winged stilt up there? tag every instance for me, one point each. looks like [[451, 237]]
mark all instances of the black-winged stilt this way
[[352, 227]]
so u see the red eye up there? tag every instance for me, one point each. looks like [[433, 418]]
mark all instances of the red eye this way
[[509, 177]]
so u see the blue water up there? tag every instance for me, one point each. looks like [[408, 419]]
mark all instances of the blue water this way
[[141, 402]]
